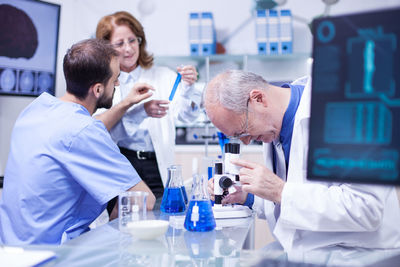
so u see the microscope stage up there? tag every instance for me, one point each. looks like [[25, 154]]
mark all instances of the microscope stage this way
[[231, 211]]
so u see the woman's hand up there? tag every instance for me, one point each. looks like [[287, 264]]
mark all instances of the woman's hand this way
[[156, 108], [189, 74]]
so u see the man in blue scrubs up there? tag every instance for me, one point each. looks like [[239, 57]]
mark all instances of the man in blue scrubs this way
[[63, 166]]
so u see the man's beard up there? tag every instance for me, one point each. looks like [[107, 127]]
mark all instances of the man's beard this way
[[105, 102]]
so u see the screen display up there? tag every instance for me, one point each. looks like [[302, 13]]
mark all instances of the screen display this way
[[28, 47], [355, 106]]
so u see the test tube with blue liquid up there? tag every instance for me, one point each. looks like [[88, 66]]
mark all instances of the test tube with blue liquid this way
[[173, 200], [173, 91]]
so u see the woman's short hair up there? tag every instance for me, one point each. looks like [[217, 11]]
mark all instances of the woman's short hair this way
[[106, 26]]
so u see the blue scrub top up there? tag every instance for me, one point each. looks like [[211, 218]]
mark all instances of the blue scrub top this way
[[62, 169], [288, 119]]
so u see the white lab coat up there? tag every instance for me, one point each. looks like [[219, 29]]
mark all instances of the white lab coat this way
[[161, 130], [319, 214]]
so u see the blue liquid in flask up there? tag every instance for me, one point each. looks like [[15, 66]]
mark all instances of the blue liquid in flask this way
[[172, 201], [200, 218], [185, 198]]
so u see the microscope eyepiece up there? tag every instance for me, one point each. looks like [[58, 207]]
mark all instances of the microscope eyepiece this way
[[235, 148]]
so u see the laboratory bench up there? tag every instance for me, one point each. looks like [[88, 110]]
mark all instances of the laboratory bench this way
[[107, 246], [225, 246]]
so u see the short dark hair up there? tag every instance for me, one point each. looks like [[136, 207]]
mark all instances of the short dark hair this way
[[87, 63]]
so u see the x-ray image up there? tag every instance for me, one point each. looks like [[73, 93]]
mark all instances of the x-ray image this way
[[28, 47]]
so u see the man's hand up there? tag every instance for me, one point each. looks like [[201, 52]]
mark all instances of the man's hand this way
[[189, 74], [238, 197], [211, 188], [139, 92], [259, 180], [156, 108]]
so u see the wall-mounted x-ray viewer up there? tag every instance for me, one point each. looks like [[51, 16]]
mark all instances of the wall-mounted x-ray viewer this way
[[28, 47], [355, 107]]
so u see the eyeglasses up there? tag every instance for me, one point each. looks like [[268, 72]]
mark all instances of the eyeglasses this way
[[244, 133], [131, 42]]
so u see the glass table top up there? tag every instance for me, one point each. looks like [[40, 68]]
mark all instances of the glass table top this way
[[107, 246]]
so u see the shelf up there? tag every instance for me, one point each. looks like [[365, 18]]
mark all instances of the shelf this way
[[274, 68], [226, 57]]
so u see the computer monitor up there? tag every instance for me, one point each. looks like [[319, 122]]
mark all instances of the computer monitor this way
[[28, 47], [355, 106]]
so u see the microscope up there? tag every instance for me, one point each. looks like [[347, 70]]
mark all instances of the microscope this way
[[225, 180]]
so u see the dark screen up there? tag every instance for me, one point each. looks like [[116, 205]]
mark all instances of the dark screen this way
[[355, 107]]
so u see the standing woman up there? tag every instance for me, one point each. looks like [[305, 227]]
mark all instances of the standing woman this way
[[145, 133]]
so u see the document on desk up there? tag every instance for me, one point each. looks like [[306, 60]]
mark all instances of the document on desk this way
[[16, 256]]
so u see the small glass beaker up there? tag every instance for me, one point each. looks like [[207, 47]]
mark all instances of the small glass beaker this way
[[131, 207], [199, 216], [173, 200]]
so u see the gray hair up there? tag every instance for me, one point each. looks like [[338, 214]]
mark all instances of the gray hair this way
[[232, 89]]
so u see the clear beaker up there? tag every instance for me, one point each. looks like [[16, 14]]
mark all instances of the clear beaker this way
[[199, 216], [173, 200], [131, 207]]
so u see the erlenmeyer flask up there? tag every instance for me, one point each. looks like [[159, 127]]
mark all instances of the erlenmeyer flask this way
[[173, 199], [199, 217], [178, 172]]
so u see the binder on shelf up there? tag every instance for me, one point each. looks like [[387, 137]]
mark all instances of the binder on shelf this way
[[286, 32], [194, 34], [202, 36], [261, 31], [208, 42], [273, 32]]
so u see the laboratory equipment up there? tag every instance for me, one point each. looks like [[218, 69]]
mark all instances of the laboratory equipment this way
[[225, 182], [173, 200], [185, 197], [178, 172], [177, 81], [131, 207], [199, 216], [147, 229]]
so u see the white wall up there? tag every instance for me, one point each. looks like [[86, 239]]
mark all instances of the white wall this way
[[167, 33]]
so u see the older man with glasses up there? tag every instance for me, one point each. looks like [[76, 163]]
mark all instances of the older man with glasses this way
[[302, 214]]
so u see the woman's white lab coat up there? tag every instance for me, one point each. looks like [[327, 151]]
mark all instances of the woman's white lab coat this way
[[161, 130], [318, 214]]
